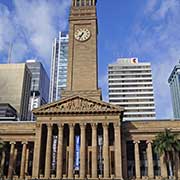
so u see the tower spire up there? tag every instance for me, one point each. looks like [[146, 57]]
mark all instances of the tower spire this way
[[82, 77]]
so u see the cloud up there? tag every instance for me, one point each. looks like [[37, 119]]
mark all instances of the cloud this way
[[32, 26], [156, 37]]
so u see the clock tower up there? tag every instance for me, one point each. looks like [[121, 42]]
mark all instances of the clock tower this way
[[82, 64]]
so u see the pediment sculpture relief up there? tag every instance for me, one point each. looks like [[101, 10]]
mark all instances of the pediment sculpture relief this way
[[78, 104]]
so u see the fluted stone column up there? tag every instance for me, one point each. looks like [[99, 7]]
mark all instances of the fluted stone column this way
[[59, 152], [15, 158], [23, 160], [124, 160], [94, 151], [37, 149], [71, 151], [3, 161], [27, 161], [11, 161], [163, 167], [137, 159], [178, 164], [48, 151], [106, 150], [150, 160], [83, 151], [118, 151]]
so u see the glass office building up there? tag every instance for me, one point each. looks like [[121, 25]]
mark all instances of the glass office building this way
[[174, 83], [59, 62], [39, 85]]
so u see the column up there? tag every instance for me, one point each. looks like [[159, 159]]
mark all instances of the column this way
[[83, 151], [59, 152], [71, 151], [11, 161], [48, 151], [3, 161], [137, 159], [163, 167], [124, 158], [150, 160], [37, 149], [106, 150], [15, 158], [27, 162], [118, 152], [94, 151], [23, 160], [178, 164]]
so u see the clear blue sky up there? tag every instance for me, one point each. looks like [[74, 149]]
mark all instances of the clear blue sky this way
[[147, 29]]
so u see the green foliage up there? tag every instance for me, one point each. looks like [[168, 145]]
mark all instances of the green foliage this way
[[1, 146], [166, 142]]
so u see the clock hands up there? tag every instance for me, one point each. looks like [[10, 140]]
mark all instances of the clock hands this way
[[81, 35]]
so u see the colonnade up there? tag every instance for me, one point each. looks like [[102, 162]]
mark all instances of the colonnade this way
[[150, 162], [83, 155], [12, 157]]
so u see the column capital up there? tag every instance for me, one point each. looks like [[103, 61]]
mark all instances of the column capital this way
[[71, 125], [149, 142], [24, 142], [60, 125], [136, 142], [49, 125], [38, 125], [105, 125], [12, 142], [116, 124], [82, 125], [94, 125]]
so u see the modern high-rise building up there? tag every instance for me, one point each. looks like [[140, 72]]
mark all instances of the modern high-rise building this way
[[81, 137], [174, 83], [15, 83], [59, 62], [130, 86], [39, 85]]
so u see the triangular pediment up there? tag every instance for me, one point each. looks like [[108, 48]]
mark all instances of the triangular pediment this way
[[78, 105]]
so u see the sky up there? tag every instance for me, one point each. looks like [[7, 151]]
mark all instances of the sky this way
[[147, 29]]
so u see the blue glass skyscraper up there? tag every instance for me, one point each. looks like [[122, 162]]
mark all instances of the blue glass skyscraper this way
[[59, 62], [174, 83]]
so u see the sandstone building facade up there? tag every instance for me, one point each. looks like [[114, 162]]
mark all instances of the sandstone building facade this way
[[107, 149]]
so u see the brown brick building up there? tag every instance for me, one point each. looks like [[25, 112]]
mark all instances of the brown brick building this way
[[107, 149]]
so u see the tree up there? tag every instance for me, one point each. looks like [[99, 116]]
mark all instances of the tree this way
[[167, 143]]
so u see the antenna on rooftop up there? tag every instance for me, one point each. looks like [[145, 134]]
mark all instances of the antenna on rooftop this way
[[10, 53]]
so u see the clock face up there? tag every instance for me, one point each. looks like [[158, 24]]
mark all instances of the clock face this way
[[82, 34]]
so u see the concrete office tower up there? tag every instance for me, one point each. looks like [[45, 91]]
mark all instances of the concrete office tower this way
[[59, 62], [39, 86], [130, 86], [174, 83], [7, 112], [15, 82]]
